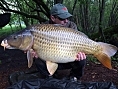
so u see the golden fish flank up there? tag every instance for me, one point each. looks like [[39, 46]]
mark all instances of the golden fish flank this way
[[67, 46], [57, 44]]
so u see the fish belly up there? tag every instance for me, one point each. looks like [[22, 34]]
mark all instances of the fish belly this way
[[56, 52]]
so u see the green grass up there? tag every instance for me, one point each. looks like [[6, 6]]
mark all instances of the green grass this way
[[7, 30]]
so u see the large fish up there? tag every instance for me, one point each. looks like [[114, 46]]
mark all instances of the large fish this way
[[57, 44]]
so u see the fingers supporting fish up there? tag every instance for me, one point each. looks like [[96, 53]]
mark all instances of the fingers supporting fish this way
[[34, 54], [80, 56]]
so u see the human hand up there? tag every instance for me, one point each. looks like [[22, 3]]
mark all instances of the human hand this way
[[80, 56], [34, 54]]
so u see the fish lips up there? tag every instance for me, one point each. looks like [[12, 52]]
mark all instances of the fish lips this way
[[6, 45]]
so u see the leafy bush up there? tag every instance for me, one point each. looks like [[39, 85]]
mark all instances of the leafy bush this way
[[7, 30]]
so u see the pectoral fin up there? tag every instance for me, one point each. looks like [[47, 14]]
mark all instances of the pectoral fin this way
[[51, 67], [30, 58]]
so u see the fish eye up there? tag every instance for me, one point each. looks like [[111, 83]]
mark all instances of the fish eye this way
[[14, 37]]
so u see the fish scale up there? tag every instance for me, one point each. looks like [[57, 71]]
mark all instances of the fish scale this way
[[64, 48], [57, 44], [56, 47]]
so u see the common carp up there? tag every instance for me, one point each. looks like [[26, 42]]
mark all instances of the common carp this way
[[57, 44]]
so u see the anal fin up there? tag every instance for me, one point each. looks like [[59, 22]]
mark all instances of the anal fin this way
[[51, 67]]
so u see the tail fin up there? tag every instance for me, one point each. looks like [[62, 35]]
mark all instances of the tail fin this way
[[104, 56], [108, 49], [104, 59]]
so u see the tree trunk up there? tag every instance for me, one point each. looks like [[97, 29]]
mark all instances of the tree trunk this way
[[84, 16], [101, 10], [113, 14], [58, 1], [74, 6]]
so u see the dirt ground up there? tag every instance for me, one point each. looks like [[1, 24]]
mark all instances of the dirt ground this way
[[15, 60]]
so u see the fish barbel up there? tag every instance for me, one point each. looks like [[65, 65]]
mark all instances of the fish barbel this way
[[56, 44]]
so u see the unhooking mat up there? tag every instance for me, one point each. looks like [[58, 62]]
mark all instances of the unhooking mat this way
[[21, 80]]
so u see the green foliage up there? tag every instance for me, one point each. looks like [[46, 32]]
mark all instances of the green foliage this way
[[115, 57], [91, 58], [86, 13], [7, 30]]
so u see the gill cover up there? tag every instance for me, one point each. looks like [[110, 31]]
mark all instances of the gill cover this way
[[27, 40], [26, 45]]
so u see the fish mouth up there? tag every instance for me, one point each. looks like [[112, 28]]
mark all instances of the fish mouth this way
[[5, 44]]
